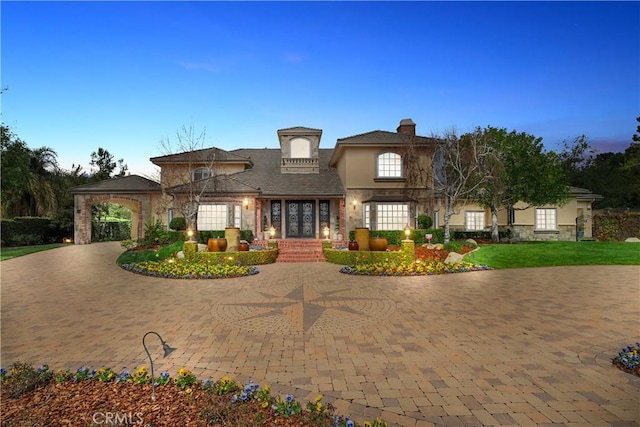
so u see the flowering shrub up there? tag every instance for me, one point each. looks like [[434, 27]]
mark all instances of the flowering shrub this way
[[185, 379], [142, 376], [415, 268], [83, 374], [225, 386], [175, 268], [628, 359], [105, 375]]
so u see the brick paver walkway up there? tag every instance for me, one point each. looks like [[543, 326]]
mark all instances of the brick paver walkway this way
[[512, 347]]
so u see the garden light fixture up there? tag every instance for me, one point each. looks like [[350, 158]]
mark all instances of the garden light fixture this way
[[190, 234], [407, 232], [326, 233], [272, 231], [167, 351]]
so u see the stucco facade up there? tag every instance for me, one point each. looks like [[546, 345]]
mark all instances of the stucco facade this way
[[379, 179]]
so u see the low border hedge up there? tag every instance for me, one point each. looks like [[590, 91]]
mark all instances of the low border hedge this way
[[263, 256]]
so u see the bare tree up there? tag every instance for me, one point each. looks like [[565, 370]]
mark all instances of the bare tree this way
[[458, 174], [188, 171], [418, 172]]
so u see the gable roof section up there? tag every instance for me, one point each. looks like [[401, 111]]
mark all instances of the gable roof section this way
[[205, 155], [125, 184], [379, 138], [584, 195], [298, 130]]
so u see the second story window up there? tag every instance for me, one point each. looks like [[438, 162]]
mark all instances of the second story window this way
[[389, 165], [201, 173]]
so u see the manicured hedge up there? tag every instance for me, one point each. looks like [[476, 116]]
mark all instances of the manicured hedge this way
[[395, 237], [344, 257], [24, 231], [205, 235], [264, 256]]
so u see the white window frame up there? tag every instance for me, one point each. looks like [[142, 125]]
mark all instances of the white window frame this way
[[237, 216], [366, 215], [474, 220], [389, 165], [546, 219], [392, 216], [204, 173], [212, 216]]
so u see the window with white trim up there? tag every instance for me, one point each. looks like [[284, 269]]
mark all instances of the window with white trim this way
[[474, 220], [392, 216], [366, 215], [389, 165], [212, 217], [201, 173], [546, 219], [237, 215]]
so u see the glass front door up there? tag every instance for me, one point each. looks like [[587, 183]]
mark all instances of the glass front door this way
[[300, 218]]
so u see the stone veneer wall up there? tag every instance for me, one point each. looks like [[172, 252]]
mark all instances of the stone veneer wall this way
[[527, 232]]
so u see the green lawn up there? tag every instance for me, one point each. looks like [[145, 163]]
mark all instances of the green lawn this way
[[8, 253], [546, 254]]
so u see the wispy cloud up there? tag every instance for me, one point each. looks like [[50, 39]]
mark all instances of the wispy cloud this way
[[294, 58], [203, 66]]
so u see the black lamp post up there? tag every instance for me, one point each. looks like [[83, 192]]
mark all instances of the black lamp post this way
[[167, 351]]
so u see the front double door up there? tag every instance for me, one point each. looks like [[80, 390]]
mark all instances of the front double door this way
[[298, 219], [301, 218]]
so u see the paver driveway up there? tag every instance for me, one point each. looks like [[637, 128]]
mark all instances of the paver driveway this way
[[514, 347]]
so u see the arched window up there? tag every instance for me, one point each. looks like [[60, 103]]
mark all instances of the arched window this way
[[389, 165], [300, 148], [201, 173]]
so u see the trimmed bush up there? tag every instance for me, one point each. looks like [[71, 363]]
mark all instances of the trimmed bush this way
[[265, 256], [342, 257], [178, 223], [395, 237], [23, 231], [424, 221]]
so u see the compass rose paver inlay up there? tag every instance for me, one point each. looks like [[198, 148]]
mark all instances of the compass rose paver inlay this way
[[302, 309]]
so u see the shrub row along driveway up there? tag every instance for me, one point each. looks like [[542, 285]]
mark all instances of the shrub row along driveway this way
[[525, 347]]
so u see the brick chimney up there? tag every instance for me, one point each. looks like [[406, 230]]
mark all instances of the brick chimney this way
[[407, 127]]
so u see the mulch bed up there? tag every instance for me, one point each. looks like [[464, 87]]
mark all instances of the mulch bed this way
[[93, 403]]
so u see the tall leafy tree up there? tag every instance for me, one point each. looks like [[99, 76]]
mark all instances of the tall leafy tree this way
[[28, 177], [105, 165], [519, 170]]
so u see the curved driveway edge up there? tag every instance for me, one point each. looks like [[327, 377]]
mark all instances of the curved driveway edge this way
[[504, 347]]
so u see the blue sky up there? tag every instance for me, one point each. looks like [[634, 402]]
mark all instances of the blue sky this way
[[126, 75]]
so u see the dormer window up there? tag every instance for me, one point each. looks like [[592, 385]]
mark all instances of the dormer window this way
[[300, 148], [201, 173], [389, 165]]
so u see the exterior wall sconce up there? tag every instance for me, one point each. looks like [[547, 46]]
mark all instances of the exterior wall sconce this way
[[245, 202], [167, 351], [354, 203]]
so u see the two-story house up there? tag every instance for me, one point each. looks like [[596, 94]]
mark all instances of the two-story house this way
[[380, 179]]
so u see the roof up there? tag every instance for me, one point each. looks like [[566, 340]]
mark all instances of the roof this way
[[205, 155], [266, 175], [265, 178], [584, 194], [298, 130], [380, 138], [125, 184]]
